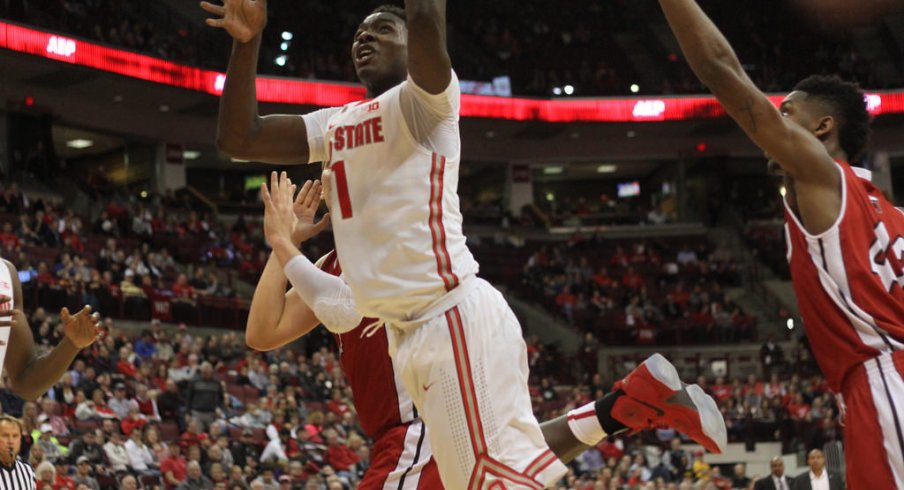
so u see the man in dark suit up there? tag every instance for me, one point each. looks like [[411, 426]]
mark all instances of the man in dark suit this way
[[818, 478], [775, 480]]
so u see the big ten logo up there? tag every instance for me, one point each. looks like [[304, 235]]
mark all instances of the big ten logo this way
[[885, 257]]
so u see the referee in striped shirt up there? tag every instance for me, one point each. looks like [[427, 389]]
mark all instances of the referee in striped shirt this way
[[15, 474]]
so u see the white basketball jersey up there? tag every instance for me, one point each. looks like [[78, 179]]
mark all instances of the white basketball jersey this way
[[395, 208]]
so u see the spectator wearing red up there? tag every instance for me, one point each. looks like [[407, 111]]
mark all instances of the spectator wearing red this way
[[134, 421], [602, 279], [125, 367], [147, 407], [610, 449], [798, 409], [721, 390], [754, 386], [182, 290], [194, 436], [173, 467], [632, 280], [338, 405], [338, 455]]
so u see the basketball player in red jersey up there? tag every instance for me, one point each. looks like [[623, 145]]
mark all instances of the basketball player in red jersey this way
[[453, 339], [402, 456], [845, 240]]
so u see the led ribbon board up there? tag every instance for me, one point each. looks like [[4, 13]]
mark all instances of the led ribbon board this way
[[71, 50]]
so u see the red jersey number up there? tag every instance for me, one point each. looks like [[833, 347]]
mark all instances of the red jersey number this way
[[345, 202]]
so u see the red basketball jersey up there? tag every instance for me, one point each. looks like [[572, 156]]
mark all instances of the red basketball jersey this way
[[380, 399], [849, 279]]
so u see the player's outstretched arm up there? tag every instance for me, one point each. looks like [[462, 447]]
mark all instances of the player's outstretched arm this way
[[328, 296], [428, 60], [277, 317], [31, 376], [241, 131], [715, 63]]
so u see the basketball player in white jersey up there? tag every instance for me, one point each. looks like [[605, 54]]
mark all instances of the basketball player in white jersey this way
[[29, 375], [394, 173]]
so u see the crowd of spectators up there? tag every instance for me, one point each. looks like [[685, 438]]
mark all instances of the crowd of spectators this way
[[140, 258], [641, 288], [116, 264], [590, 45], [186, 411]]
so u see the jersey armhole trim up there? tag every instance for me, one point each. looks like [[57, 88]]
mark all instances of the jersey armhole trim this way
[[838, 219]]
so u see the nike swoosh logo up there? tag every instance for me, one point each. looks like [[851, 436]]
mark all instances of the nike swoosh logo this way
[[427, 387]]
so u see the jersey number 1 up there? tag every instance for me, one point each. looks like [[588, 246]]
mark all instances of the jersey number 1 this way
[[345, 202]]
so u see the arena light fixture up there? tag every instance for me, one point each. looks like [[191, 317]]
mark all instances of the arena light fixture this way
[[65, 49], [635, 88], [606, 169], [553, 170], [191, 154], [79, 143], [568, 90], [287, 36]]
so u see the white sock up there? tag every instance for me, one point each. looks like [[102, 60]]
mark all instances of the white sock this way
[[585, 425]]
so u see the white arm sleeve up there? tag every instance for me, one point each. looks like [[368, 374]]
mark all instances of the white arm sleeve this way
[[328, 296], [433, 118], [316, 124]]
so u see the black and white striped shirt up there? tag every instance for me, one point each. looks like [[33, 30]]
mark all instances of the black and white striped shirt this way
[[18, 477]]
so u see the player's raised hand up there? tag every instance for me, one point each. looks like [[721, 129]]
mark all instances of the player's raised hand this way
[[82, 328], [306, 204], [242, 19], [279, 212]]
